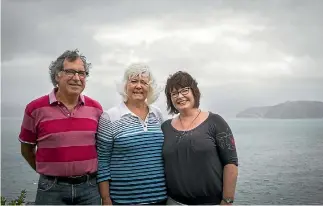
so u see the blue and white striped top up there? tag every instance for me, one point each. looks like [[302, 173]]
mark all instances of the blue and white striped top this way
[[130, 155]]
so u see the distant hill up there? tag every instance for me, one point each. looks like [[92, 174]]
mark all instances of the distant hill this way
[[287, 110]]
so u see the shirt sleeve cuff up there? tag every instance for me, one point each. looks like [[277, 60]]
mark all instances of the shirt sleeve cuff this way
[[26, 142], [102, 179]]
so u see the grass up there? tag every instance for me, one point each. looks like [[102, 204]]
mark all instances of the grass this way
[[20, 200]]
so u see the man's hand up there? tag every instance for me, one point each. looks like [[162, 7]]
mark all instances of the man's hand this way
[[106, 201]]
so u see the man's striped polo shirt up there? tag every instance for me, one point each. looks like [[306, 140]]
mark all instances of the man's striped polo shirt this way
[[65, 140], [130, 155]]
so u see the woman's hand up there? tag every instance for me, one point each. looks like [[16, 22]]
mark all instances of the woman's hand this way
[[106, 201]]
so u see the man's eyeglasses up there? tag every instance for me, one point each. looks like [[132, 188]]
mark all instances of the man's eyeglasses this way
[[71, 73], [183, 91]]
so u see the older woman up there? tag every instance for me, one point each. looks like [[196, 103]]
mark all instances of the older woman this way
[[199, 151], [129, 144]]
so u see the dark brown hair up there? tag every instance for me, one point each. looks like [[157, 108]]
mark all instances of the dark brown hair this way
[[180, 80]]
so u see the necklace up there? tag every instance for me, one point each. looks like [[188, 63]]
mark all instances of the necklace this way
[[183, 133]]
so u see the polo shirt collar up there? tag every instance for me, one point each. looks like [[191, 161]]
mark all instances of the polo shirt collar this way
[[52, 97], [124, 110]]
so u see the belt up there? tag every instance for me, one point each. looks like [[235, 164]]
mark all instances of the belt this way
[[73, 179]]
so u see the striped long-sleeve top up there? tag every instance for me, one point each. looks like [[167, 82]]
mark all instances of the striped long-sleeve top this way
[[130, 155]]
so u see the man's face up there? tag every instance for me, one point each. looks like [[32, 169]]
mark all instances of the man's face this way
[[69, 81]]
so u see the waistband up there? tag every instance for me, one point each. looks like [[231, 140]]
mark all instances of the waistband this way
[[72, 179]]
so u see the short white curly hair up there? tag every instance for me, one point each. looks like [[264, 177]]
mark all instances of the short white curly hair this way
[[136, 69]]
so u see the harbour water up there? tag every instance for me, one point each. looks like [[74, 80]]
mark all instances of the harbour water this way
[[280, 161]]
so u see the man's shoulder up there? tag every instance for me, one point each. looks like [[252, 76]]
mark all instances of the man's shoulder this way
[[92, 102], [37, 103]]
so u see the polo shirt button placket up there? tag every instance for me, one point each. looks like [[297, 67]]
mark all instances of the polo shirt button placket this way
[[146, 126]]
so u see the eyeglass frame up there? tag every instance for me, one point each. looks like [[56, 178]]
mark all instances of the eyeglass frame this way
[[71, 73], [176, 94]]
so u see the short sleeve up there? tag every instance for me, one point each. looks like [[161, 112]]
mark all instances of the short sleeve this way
[[224, 140], [28, 128]]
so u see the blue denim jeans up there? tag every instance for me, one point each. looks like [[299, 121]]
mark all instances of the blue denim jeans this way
[[52, 192]]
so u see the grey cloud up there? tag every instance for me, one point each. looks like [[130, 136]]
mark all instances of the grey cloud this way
[[61, 24], [44, 29]]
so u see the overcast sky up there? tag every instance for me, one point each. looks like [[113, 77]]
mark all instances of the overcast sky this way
[[242, 53]]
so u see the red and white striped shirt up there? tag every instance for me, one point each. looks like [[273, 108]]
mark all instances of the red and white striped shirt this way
[[65, 140]]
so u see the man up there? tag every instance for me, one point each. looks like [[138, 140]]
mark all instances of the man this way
[[62, 126]]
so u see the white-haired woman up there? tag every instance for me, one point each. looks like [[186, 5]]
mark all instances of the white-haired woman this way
[[129, 144]]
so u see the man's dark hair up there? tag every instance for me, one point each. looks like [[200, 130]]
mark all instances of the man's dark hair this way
[[177, 81]]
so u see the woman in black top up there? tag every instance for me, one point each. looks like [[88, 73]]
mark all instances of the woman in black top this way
[[199, 151]]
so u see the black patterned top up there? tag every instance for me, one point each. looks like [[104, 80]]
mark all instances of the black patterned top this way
[[194, 160]]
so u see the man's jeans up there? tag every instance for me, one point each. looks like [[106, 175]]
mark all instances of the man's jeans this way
[[52, 192]]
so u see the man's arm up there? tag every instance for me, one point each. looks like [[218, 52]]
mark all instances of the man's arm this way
[[28, 137], [28, 152], [230, 175]]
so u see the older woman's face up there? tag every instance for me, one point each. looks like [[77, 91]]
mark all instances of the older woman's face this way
[[138, 88]]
